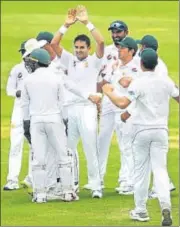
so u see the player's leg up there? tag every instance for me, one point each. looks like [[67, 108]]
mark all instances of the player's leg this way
[[127, 164], [64, 159], [106, 128], [159, 149], [15, 156], [141, 149], [88, 130], [39, 146]]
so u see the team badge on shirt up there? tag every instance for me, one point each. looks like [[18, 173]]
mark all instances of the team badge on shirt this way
[[109, 57], [134, 69]]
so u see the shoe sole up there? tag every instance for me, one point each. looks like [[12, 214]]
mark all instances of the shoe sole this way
[[96, 197], [172, 189], [125, 193], [10, 189], [140, 219], [167, 221]]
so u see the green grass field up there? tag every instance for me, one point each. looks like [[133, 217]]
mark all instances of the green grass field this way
[[23, 20]]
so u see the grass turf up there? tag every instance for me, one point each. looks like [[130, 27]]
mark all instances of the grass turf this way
[[23, 20]]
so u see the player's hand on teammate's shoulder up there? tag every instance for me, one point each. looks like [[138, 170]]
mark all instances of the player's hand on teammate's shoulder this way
[[107, 88], [81, 14], [71, 17]]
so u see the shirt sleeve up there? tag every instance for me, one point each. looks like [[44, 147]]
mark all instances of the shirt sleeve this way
[[65, 58], [173, 89], [72, 87], [97, 62], [11, 86], [133, 91], [25, 102]]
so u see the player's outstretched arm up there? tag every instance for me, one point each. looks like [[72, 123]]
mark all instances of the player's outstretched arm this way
[[121, 102], [70, 20], [82, 16]]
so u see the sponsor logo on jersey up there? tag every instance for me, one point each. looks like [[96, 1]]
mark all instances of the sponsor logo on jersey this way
[[109, 57], [20, 75], [134, 69]]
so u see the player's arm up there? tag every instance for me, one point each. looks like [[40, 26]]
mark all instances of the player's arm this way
[[82, 16], [70, 20], [121, 102], [11, 87]]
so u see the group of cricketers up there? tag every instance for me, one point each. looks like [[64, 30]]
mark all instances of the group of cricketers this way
[[61, 97]]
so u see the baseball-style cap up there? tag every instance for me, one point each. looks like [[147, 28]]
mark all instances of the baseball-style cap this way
[[118, 25], [128, 42], [149, 41], [149, 57], [22, 46], [41, 56], [48, 36], [33, 44]]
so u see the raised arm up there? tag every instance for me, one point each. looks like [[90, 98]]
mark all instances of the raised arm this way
[[82, 16], [70, 20]]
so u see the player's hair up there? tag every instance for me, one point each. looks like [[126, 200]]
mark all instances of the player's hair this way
[[149, 65], [84, 38]]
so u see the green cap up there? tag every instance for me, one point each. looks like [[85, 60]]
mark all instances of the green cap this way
[[22, 47], [149, 41], [128, 42], [149, 57], [41, 56], [48, 36]]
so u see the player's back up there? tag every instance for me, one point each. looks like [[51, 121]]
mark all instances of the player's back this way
[[152, 103], [45, 90]]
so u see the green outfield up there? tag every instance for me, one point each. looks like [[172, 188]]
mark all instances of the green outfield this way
[[23, 20]]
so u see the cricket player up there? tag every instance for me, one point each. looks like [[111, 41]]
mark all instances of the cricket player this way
[[150, 128], [149, 41], [14, 87], [119, 30], [42, 107], [83, 70]]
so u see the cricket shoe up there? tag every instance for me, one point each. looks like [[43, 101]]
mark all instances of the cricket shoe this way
[[39, 198], [69, 197], [26, 183], [87, 187], [11, 185], [139, 216], [125, 190], [97, 194], [166, 217]]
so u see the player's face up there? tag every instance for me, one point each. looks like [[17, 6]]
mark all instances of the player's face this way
[[118, 36], [124, 53], [81, 49]]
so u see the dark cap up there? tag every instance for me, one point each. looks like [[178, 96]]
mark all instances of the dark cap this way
[[48, 36], [149, 57], [149, 41], [128, 42], [22, 47], [118, 25]]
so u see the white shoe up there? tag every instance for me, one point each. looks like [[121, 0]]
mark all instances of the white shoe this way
[[172, 187], [26, 183], [53, 196], [69, 197], [87, 187], [11, 185], [39, 198], [139, 216], [97, 194], [125, 190]]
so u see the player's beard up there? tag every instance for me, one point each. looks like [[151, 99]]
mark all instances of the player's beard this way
[[117, 39]]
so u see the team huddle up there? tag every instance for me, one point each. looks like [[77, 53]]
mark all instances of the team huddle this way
[[62, 97]]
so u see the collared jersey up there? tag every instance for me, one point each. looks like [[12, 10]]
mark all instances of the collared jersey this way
[[130, 70], [83, 73], [152, 93]]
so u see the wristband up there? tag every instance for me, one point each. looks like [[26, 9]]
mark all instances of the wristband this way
[[63, 29], [90, 26]]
